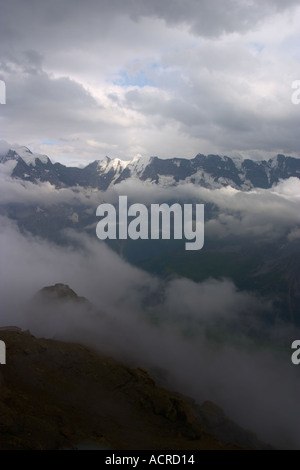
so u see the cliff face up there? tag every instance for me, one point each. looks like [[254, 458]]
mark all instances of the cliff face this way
[[54, 395]]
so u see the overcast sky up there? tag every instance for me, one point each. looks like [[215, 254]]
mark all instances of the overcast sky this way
[[150, 77]]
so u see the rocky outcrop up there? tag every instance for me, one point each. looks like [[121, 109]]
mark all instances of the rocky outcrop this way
[[60, 292]]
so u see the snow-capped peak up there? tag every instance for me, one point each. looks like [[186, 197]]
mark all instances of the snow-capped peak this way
[[28, 157], [140, 163], [23, 152], [101, 164], [116, 164], [108, 164]]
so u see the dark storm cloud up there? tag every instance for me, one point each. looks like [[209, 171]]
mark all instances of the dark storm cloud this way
[[203, 17], [64, 102], [122, 78], [226, 116], [212, 17]]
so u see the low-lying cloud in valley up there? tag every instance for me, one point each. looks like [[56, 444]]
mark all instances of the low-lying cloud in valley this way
[[199, 338], [260, 213]]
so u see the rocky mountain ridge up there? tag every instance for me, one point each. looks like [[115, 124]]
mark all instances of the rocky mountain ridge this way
[[211, 171]]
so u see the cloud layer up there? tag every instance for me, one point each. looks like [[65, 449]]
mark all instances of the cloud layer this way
[[258, 214], [195, 338], [199, 338], [155, 78]]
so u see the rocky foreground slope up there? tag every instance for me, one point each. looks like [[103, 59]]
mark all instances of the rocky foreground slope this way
[[55, 395]]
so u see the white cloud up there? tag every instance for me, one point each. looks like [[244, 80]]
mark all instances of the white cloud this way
[[259, 213], [142, 77], [237, 375]]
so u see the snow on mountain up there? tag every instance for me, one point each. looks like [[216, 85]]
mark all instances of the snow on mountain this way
[[23, 152], [116, 165], [211, 171], [30, 158], [139, 164]]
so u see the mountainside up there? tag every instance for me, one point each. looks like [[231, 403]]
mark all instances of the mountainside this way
[[57, 395], [210, 171]]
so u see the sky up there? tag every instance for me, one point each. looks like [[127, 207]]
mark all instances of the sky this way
[[136, 77]]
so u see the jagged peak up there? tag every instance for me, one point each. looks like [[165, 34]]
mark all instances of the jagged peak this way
[[23, 152]]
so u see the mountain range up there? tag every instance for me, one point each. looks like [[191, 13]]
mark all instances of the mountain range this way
[[211, 171], [264, 265]]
